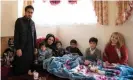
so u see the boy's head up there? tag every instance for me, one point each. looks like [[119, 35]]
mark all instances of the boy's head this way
[[93, 42], [42, 46], [73, 43], [58, 44]]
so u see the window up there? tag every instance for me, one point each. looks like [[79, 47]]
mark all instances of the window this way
[[64, 13], [20, 8]]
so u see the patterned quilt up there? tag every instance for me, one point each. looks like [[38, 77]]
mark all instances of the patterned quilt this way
[[72, 67]]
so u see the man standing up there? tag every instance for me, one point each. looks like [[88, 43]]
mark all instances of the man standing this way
[[24, 42]]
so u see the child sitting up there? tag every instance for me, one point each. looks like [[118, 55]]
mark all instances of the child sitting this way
[[115, 50], [59, 50], [92, 53], [73, 48], [44, 52]]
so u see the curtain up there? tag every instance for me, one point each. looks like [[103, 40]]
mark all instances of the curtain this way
[[101, 10], [54, 2], [72, 1], [26, 3], [125, 9], [44, 0]]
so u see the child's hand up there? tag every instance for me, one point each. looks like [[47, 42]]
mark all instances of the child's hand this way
[[87, 62]]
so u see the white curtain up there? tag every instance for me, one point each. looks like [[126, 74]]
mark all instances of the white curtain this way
[[64, 13]]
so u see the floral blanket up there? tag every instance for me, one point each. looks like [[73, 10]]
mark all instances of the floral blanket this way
[[72, 67]]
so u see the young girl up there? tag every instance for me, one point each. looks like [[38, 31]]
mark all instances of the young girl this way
[[115, 50]]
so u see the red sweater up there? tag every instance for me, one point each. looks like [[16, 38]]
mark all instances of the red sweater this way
[[111, 55]]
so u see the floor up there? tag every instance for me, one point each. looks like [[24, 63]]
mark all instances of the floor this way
[[27, 77], [44, 75]]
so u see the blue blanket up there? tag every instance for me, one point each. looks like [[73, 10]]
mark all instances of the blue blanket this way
[[126, 72], [62, 67]]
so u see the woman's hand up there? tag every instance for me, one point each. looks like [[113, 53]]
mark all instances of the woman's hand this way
[[106, 64], [115, 64]]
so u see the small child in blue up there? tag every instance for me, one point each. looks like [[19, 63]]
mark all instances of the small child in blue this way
[[44, 52]]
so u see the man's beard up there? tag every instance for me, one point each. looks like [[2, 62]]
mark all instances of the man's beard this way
[[29, 17]]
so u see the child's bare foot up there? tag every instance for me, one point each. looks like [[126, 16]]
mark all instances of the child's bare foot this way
[[30, 73], [42, 78]]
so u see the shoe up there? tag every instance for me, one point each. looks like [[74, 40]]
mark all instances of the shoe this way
[[30, 73]]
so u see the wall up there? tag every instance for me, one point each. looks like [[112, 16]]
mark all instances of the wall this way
[[43, 31], [8, 17], [82, 33], [0, 25]]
